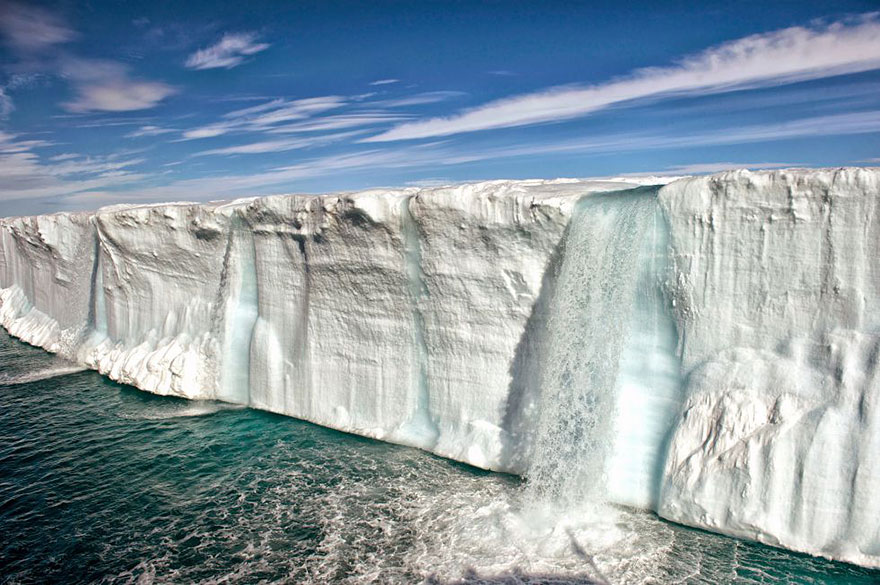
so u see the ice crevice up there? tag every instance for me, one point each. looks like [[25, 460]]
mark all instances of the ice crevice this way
[[707, 349]]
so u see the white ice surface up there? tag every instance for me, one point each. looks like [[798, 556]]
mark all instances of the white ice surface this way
[[776, 282], [740, 396]]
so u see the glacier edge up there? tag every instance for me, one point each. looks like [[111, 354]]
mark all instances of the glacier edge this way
[[745, 396]]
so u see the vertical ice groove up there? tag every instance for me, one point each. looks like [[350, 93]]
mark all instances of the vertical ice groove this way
[[421, 426], [587, 329], [238, 284], [302, 347], [92, 318], [97, 303]]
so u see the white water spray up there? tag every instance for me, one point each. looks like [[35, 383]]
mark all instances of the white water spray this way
[[47, 373]]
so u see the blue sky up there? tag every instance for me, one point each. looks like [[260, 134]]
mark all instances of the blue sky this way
[[107, 102]]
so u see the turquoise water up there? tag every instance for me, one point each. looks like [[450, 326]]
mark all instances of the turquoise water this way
[[102, 483]]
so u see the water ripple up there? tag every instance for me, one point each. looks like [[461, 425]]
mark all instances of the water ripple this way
[[101, 483]]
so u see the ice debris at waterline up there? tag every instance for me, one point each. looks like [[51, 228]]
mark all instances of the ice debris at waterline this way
[[707, 349]]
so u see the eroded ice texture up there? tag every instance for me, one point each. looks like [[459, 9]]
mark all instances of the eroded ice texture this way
[[706, 349], [776, 281]]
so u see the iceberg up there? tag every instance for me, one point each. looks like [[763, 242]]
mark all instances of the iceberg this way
[[706, 349]]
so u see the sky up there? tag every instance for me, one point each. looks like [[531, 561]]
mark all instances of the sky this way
[[105, 102]]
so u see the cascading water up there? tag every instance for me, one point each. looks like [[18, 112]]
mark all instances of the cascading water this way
[[242, 313], [585, 333]]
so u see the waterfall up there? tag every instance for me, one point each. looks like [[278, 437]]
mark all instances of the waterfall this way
[[585, 333], [240, 278]]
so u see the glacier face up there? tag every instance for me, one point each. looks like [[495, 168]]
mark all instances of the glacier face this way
[[705, 349], [776, 285]]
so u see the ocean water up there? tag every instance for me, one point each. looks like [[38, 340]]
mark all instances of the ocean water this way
[[102, 483]]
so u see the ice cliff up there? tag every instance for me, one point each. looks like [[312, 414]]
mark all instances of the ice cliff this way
[[707, 349]]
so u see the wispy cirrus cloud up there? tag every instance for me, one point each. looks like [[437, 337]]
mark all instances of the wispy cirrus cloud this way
[[6, 105], [784, 56], [150, 130], [293, 110], [208, 131], [265, 116], [339, 121], [24, 174], [713, 167], [384, 81], [280, 145], [283, 116], [230, 51], [419, 99], [431, 156]]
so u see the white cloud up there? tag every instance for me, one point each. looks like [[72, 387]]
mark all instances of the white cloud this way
[[99, 85], [264, 116], [29, 29], [384, 81], [280, 145], [834, 125], [244, 112], [239, 185], [106, 86], [6, 105], [119, 96], [338, 122], [785, 56], [281, 116], [433, 155], [428, 97], [64, 156], [23, 175], [100, 165], [229, 52], [209, 131], [296, 110], [149, 131], [25, 80], [715, 167]]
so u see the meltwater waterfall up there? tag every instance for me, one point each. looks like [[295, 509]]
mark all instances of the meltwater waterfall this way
[[587, 327]]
